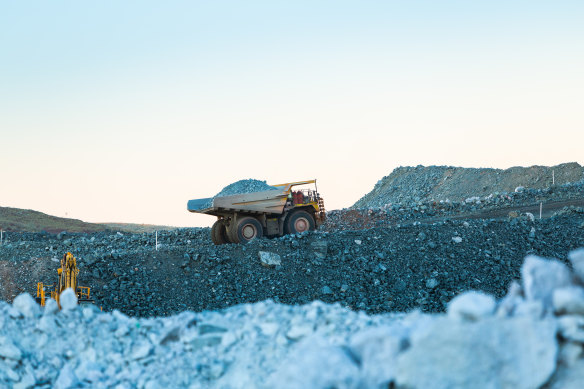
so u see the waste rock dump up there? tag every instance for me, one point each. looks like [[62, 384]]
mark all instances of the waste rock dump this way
[[531, 338]]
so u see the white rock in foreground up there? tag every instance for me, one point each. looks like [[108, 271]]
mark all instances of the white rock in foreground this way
[[471, 305], [569, 300], [68, 299], [492, 353], [26, 305], [577, 259], [541, 277]]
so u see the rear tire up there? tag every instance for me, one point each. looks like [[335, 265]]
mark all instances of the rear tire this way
[[247, 229], [219, 233], [299, 222]]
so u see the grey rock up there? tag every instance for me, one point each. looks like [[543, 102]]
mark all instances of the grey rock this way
[[210, 329], [26, 305], [472, 306], [320, 248], [570, 353], [571, 327], [9, 350], [568, 377], [431, 283], [241, 187], [314, 364], [326, 290], [377, 350], [511, 301], [569, 300], [541, 277], [68, 299], [513, 353], [577, 259], [67, 378], [269, 259]]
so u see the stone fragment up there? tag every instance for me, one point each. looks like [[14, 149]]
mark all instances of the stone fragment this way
[[269, 259], [315, 364], [570, 353], [569, 300], [377, 349], [472, 306], [9, 350], [299, 331], [512, 299], [456, 239], [51, 307], [68, 299], [571, 327], [326, 290], [576, 257], [26, 305], [141, 350], [431, 283], [320, 249], [568, 377], [67, 378], [515, 353], [541, 277]]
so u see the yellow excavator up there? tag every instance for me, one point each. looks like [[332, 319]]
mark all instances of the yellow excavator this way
[[67, 279]]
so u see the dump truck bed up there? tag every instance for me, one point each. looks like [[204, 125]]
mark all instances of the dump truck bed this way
[[269, 201]]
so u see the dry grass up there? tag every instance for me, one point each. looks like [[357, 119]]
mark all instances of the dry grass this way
[[15, 219]]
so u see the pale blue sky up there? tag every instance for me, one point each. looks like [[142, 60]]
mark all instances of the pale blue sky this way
[[123, 111]]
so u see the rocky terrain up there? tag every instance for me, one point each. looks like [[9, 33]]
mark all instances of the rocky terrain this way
[[531, 338], [407, 186], [417, 291], [380, 269]]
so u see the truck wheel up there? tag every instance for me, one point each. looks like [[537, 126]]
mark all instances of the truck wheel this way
[[219, 233], [247, 229], [299, 222]]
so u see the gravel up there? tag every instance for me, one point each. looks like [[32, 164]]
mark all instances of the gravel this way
[[381, 269], [481, 343]]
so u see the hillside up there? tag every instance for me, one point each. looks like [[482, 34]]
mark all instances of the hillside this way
[[27, 220], [434, 183]]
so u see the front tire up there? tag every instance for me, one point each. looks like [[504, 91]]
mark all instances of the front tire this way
[[299, 222]]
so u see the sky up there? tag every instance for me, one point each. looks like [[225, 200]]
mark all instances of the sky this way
[[122, 111]]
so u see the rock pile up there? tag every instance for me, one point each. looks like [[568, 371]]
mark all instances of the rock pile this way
[[241, 187], [411, 186], [531, 338], [380, 269]]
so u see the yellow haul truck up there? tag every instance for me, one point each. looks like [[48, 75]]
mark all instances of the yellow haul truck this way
[[285, 209]]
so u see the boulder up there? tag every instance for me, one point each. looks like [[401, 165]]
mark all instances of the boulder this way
[[516, 352], [68, 299], [569, 300], [577, 259], [541, 277], [471, 306], [26, 305], [269, 259]]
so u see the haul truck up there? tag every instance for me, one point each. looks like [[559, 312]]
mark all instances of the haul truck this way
[[282, 210]]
